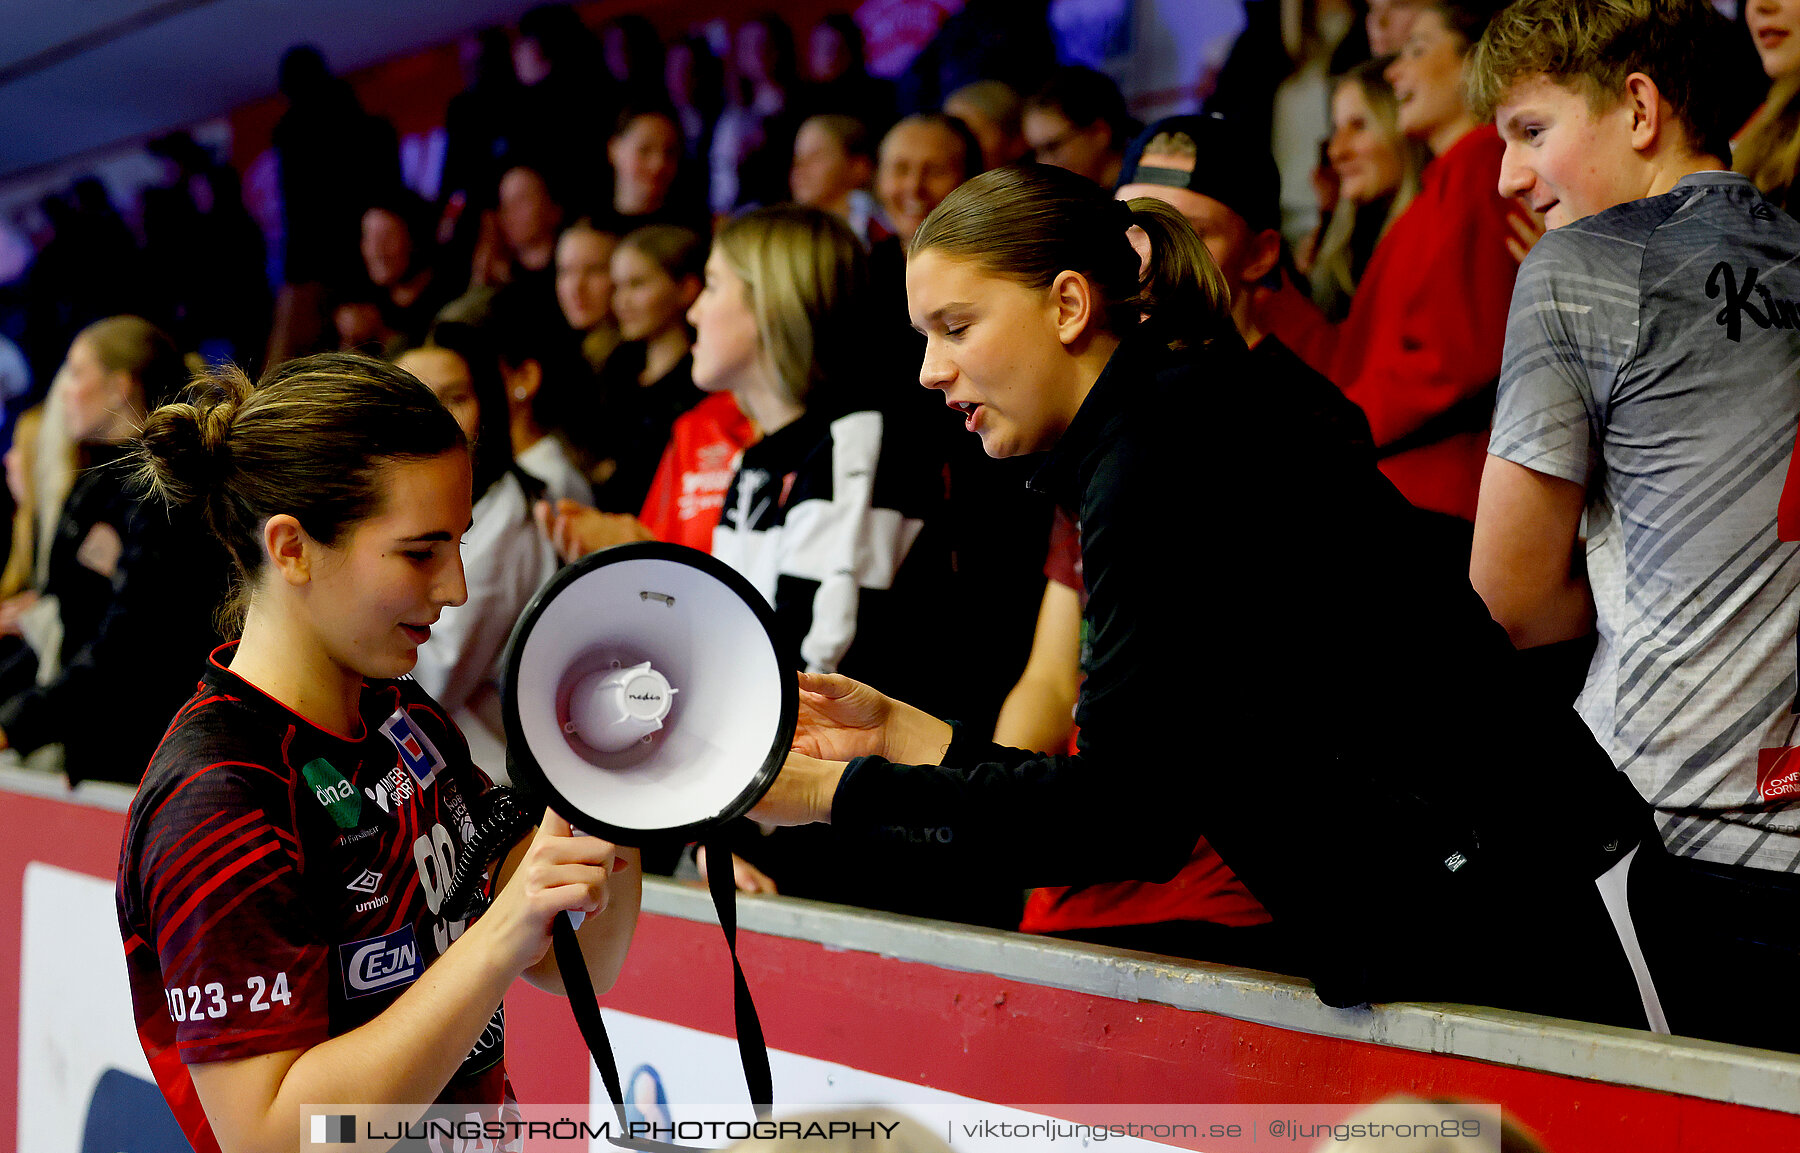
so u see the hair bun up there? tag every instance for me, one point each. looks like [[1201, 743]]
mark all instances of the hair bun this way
[[185, 447], [213, 425]]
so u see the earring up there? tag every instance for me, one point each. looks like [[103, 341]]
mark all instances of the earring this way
[[520, 393]]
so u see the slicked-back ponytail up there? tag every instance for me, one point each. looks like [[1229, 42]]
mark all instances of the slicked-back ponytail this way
[[1030, 222]]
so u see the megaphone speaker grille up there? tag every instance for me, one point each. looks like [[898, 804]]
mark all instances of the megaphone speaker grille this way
[[643, 754]]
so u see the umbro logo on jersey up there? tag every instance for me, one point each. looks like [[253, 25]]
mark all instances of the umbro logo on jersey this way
[[365, 883], [331, 790]]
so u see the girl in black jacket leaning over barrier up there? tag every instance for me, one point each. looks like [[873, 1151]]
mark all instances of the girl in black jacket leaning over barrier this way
[[1320, 696]]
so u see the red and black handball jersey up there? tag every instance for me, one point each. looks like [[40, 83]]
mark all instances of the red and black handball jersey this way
[[279, 884]]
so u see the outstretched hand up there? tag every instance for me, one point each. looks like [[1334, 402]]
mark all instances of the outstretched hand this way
[[575, 530], [841, 719]]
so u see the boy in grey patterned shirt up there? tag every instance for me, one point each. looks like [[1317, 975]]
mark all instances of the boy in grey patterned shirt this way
[[1649, 386]]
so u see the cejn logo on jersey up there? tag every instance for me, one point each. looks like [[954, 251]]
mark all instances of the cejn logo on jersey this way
[[417, 753], [374, 964], [336, 794]]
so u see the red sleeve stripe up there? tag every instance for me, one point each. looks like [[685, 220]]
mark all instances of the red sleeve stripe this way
[[197, 939], [173, 874], [293, 794], [197, 774], [178, 1089], [182, 716], [173, 922]]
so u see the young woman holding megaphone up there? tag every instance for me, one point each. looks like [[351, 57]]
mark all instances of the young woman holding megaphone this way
[[285, 877], [1304, 688]]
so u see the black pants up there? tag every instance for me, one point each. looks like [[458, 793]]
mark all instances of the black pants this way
[[1547, 948], [1725, 948]]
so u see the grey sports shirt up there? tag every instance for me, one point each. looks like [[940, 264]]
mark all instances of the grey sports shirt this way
[[1653, 356]]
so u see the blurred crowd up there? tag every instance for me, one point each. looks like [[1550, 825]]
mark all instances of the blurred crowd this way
[[562, 294]]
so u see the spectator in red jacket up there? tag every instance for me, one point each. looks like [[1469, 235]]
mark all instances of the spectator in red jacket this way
[[1420, 349]]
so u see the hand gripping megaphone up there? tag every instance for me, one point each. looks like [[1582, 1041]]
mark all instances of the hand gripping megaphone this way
[[645, 700]]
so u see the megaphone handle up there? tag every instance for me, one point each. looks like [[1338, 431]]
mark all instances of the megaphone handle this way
[[753, 1051], [572, 966]]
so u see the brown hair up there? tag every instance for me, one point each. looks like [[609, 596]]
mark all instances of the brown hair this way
[[995, 99], [805, 274], [852, 135], [1333, 277], [1030, 222], [310, 439], [142, 351], [1593, 45], [679, 252], [1769, 150]]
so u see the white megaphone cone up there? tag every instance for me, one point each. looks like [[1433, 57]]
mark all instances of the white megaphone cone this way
[[645, 699]]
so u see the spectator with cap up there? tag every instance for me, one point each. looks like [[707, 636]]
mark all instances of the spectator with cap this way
[[1276, 84], [1224, 181]]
